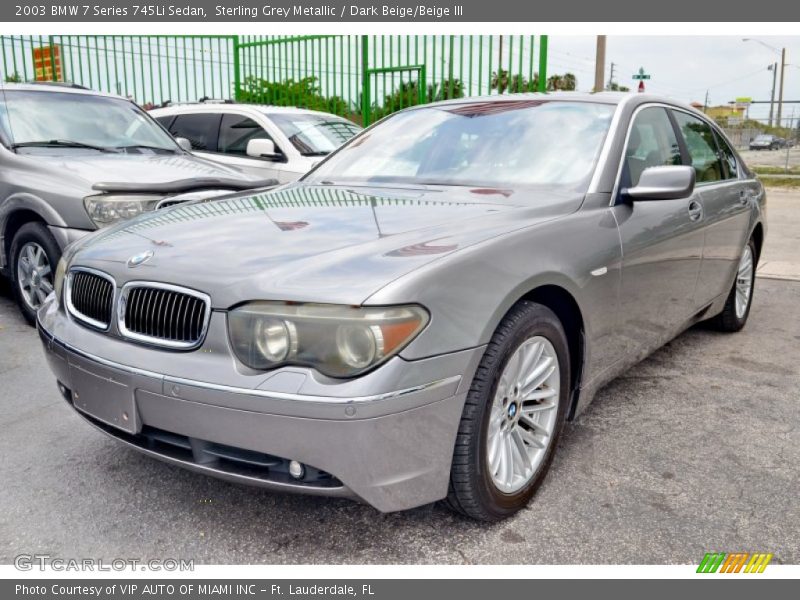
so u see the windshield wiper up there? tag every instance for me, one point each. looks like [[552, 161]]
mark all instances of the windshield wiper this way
[[320, 153], [61, 144], [146, 147]]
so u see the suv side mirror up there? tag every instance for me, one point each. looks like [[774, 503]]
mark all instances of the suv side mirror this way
[[262, 148], [664, 183], [184, 143]]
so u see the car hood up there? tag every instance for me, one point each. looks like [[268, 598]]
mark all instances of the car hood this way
[[90, 168], [311, 243]]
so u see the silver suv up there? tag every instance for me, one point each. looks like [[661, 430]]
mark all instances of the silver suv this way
[[72, 161]]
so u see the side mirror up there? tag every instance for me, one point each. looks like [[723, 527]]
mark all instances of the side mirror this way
[[664, 183], [262, 148], [184, 143]]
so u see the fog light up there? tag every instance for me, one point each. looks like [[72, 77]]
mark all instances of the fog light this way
[[296, 469]]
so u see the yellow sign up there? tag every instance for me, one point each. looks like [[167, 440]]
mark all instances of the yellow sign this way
[[47, 63]]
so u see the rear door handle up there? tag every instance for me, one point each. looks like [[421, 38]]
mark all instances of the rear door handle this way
[[745, 196], [695, 210]]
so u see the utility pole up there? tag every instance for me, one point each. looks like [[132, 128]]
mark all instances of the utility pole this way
[[774, 68], [705, 103], [780, 96], [500, 57], [600, 64], [611, 78]]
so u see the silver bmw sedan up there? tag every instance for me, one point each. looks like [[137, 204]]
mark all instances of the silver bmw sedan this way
[[416, 318]]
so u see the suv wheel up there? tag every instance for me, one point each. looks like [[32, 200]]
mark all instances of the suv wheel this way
[[512, 417], [34, 256]]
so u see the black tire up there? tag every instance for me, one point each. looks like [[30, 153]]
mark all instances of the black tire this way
[[39, 234], [472, 491], [727, 320]]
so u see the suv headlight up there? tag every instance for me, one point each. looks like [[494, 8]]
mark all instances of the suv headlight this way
[[105, 209], [338, 341]]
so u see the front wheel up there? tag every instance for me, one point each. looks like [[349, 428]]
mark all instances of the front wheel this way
[[34, 256], [512, 417], [740, 298]]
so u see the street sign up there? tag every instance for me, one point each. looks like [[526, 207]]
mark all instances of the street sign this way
[[641, 74]]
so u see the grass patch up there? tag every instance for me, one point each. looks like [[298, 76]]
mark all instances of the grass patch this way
[[780, 182], [776, 170]]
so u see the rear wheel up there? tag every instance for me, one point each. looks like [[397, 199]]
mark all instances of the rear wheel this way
[[512, 417], [737, 306], [34, 256]]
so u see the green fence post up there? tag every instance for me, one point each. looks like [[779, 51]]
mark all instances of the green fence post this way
[[237, 74], [542, 63], [450, 69], [53, 73], [365, 75]]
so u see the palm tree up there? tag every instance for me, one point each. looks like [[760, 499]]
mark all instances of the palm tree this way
[[500, 81], [554, 83], [567, 81]]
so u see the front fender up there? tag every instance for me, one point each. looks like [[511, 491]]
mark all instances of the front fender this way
[[469, 291]]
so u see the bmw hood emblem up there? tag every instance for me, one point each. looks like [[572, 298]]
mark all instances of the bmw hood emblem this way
[[139, 259]]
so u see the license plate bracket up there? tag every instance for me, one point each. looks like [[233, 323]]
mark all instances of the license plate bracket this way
[[106, 395]]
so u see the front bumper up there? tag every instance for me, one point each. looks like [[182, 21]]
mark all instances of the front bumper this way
[[391, 449]]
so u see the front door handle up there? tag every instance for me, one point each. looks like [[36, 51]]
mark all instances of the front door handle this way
[[695, 210], [744, 196]]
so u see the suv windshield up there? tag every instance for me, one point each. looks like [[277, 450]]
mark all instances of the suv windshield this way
[[314, 135], [63, 119], [495, 143]]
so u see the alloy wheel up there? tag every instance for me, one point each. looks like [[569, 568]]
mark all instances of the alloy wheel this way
[[744, 282], [523, 414], [34, 274]]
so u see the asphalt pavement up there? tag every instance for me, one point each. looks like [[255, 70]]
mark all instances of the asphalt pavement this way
[[696, 449]]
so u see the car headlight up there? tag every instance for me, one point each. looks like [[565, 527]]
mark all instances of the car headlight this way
[[338, 341], [105, 209], [58, 278]]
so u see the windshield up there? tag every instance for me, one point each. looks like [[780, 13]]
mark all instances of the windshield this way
[[314, 135], [493, 144], [764, 138], [33, 118]]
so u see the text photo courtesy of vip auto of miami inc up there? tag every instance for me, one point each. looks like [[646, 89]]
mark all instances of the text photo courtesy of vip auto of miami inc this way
[[407, 293]]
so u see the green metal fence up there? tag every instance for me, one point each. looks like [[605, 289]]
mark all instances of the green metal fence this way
[[359, 77], [365, 77], [149, 69]]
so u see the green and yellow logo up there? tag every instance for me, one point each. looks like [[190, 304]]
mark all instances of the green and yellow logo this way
[[737, 562]]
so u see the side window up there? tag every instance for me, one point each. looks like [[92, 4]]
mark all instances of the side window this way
[[165, 121], [236, 131], [728, 158], [651, 143], [702, 147], [199, 128]]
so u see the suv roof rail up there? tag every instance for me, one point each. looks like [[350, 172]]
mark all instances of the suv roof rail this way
[[207, 100], [203, 100]]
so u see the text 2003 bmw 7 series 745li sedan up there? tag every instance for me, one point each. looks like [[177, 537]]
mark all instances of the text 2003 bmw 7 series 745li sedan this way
[[418, 316]]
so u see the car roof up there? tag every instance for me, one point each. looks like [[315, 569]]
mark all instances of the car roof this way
[[613, 98], [56, 86]]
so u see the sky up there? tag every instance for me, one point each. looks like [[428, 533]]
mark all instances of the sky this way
[[685, 67]]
